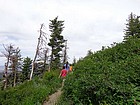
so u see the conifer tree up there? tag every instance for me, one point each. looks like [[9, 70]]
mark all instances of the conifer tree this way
[[132, 27], [26, 68], [56, 42]]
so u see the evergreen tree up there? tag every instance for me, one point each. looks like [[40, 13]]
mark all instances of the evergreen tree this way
[[89, 52], [56, 42], [26, 68], [132, 27], [74, 61]]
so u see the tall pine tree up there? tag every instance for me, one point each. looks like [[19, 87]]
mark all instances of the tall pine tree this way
[[56, 42], [26, 68], [132, 27]]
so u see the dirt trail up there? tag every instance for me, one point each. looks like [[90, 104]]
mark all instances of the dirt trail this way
[[53, 98]]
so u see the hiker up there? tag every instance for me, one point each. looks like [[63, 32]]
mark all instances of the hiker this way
[[67, 66], [63, 75], [70, 68]]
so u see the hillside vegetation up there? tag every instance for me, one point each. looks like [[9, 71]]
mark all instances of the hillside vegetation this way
[[108, 77], [32, 92]]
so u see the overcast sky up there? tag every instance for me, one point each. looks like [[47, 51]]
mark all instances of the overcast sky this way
[[89, 24]]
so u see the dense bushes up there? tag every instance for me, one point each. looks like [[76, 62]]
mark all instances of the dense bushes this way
[[31, 92], [108, 77]]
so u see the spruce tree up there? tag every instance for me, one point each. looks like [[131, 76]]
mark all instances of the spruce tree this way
[[26, 68], [132, 27], [56, 42]]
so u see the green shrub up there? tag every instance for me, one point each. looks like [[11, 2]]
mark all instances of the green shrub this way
[[108, 77], [31, 92]]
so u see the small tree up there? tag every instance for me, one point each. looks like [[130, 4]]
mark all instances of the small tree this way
[[132, 27], [56, 42], [74, 61], [89, 53], [26, 68]]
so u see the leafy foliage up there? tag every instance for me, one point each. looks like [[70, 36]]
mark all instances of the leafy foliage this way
[[107, 77], [31, 92]]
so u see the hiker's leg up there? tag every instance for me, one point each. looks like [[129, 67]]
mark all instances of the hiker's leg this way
[[63, 82]]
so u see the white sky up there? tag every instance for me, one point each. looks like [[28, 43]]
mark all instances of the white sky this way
[[89, 24]]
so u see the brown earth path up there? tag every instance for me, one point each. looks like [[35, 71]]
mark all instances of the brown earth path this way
[[53, 98]]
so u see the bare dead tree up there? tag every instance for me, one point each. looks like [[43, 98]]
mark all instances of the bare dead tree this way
[[15, 63], [8, 53], [45, 57], [65, 58], [37, 49], [41, 50], [12, 55]]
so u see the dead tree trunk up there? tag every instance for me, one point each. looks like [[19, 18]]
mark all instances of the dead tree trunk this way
[[33, 64], [15, 63], [6, 74], [14, 70], [8, 52], [65, 52], [45, 57]]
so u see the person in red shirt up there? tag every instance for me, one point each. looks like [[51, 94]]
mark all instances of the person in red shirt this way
[[63, 74]]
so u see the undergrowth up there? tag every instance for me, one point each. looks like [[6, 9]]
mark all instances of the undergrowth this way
[[32, 92], [108, 77]]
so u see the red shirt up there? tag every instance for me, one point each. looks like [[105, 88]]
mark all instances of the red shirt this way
[[63, 73]]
